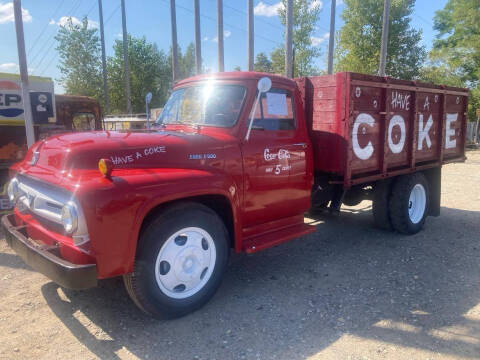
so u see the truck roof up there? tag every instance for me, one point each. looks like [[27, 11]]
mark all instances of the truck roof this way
[[236, 75]]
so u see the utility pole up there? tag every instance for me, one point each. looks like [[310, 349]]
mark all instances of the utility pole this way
[[250, 27], [331, 39], [383, 49], [288, 40], [104, 61], [198, 46], [221, 66], [22, 61], [173, 21], [125, 59]]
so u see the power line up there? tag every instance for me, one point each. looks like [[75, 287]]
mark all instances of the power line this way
[[230, 25], [72, 10], [111, 14], [52, 40], [45, 27]]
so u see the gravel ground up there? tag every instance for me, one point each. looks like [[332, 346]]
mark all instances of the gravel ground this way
[[348, 291]]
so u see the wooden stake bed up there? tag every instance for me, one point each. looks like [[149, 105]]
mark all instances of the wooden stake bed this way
[[364, 128]]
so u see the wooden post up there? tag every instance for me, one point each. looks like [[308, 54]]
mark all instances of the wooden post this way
[[221, 66], [250, 26], [383, 49], [331, 39], [125, 59], [22, 62], [104, 61], [198, 46], [173, 22], [288, 40]]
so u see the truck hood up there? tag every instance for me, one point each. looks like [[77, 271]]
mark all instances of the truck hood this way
[[81, 151]]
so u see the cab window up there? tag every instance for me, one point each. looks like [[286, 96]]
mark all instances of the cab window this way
[[275, 111], [83, 122]]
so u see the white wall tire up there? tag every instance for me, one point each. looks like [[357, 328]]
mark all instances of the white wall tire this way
[[181, 258], [409, 203]]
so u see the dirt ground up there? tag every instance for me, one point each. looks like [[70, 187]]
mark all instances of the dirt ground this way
[[348, 291]]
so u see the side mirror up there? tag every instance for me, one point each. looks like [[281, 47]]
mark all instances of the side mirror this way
[[264, 85], [148, 98]]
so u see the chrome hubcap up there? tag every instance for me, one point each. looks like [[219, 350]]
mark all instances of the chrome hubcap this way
[[185, 262], [417, 203]]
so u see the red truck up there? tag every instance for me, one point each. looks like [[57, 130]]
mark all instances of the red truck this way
[[233, 161]]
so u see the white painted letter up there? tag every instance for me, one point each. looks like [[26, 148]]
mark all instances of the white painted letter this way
[[449, 132], [423, 131], [367, 151], [396, 120]]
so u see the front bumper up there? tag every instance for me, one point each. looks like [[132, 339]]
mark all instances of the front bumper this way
[[43, 258]]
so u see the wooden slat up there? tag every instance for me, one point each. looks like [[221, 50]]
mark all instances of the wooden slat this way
[[409, 87]]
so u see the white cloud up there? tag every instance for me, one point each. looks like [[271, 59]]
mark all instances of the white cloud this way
[[317, 40], [226, 34], [339, 2], [51, 22], [263, 9], [6, 13], [9, 67], [316, 4], [13, 68], [76, 22]]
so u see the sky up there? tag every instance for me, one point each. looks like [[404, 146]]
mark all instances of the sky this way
[[151, 18]]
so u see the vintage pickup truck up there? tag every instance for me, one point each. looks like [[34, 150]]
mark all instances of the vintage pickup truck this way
[[233, 162]]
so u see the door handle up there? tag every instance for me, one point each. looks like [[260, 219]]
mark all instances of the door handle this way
[[302, 145]]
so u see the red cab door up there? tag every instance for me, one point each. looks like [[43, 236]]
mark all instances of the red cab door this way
[[276, 160]]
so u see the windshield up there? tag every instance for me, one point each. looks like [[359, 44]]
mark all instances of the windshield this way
[[207, 104]]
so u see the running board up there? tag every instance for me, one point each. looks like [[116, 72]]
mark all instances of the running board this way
[[264, 241]]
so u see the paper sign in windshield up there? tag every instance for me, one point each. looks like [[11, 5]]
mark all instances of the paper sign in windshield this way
[[277, 104]]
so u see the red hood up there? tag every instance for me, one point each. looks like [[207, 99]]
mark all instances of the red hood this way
[[64, 154]]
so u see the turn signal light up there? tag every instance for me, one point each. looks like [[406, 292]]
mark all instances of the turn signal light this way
[[105, 167]]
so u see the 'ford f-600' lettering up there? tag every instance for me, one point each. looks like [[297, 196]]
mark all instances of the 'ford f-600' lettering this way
[[233, 162]]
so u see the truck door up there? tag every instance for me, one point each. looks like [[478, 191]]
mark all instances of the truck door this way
[[276, 156]]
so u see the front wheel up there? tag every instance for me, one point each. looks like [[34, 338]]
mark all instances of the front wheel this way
[[181, 258], [408, 205]]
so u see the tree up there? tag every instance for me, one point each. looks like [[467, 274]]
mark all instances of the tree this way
[[457, 47], [358, 45], [305, 16], [149, 72], [80, 59], [262, 63]]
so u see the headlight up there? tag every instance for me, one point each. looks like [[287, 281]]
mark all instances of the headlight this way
[[69, 218], [12, 190]]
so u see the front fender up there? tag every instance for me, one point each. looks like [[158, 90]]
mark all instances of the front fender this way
[[120, 209]]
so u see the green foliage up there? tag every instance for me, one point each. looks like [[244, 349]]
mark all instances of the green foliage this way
[[305, 16], [262, 63], [149, 72], [457, 47], [80, 59], [359, 40], [186, 62]]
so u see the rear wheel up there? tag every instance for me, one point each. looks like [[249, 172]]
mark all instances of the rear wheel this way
[[381, 196], [181, 258], [408, 205]]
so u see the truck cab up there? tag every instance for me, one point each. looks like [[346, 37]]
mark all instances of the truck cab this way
[[228, 164]]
